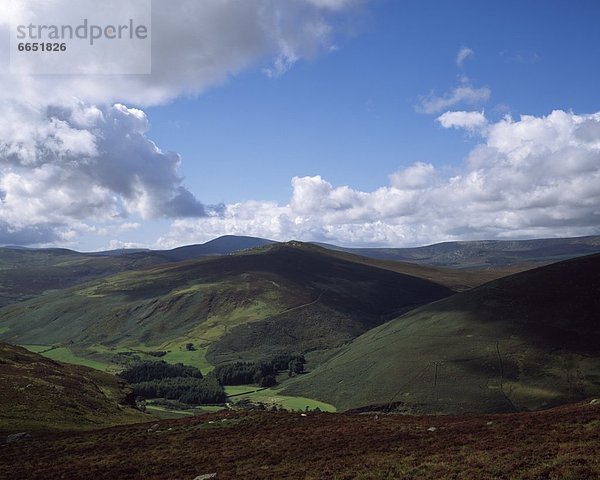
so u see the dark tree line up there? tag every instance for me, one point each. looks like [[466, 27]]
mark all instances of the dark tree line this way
[[190, 390], [186, 384], [173, 382], [261, 373], [284, 361], [238, 373]]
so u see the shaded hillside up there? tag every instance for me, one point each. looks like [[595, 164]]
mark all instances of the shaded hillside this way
[[486, 253], [347, 296], [555, 444], [457, 279], [530, 340], [26, 273], [278, 298], [38, 394]]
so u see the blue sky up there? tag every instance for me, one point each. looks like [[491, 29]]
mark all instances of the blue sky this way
[[349, 115], [347, 121]]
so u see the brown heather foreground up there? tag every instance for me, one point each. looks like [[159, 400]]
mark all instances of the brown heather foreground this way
[[562, 443]]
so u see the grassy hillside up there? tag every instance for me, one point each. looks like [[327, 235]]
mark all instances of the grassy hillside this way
[[486, 253], [527, 341], [26, 273], [284, 297], [555, 444], [38, 394]]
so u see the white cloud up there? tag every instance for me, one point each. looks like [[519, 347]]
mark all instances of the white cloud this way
[[196, 45], [417, 176], [88, 162], [462, 95], [72, 153], [463, 55], [470, 121], [118, 245], [532, 177]]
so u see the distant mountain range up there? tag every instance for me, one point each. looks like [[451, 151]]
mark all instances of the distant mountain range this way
[[467, 254], [219, 246], [485, 253], [28, 272]]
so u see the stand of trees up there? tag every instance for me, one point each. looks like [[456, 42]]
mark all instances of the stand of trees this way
[[183, 389], [238, 373], [173, 382], [262, 373], [186, 384]]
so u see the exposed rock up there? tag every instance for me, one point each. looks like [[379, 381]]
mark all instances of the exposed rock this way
[[17, 437], [154, 428], [206, 476]]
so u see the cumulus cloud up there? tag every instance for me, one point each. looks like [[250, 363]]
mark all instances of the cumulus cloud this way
[[88, 162], [463, 55], [535, 176], [462, 95], [72, 153], [470, 121], [195, 45], [417, 176]]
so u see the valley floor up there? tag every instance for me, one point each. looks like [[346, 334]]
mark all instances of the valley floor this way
[[561, 443]]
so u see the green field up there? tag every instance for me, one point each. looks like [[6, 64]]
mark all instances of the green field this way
[[169, 413], [63, 354], [177, 353], [196, 358], [271, 396]]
